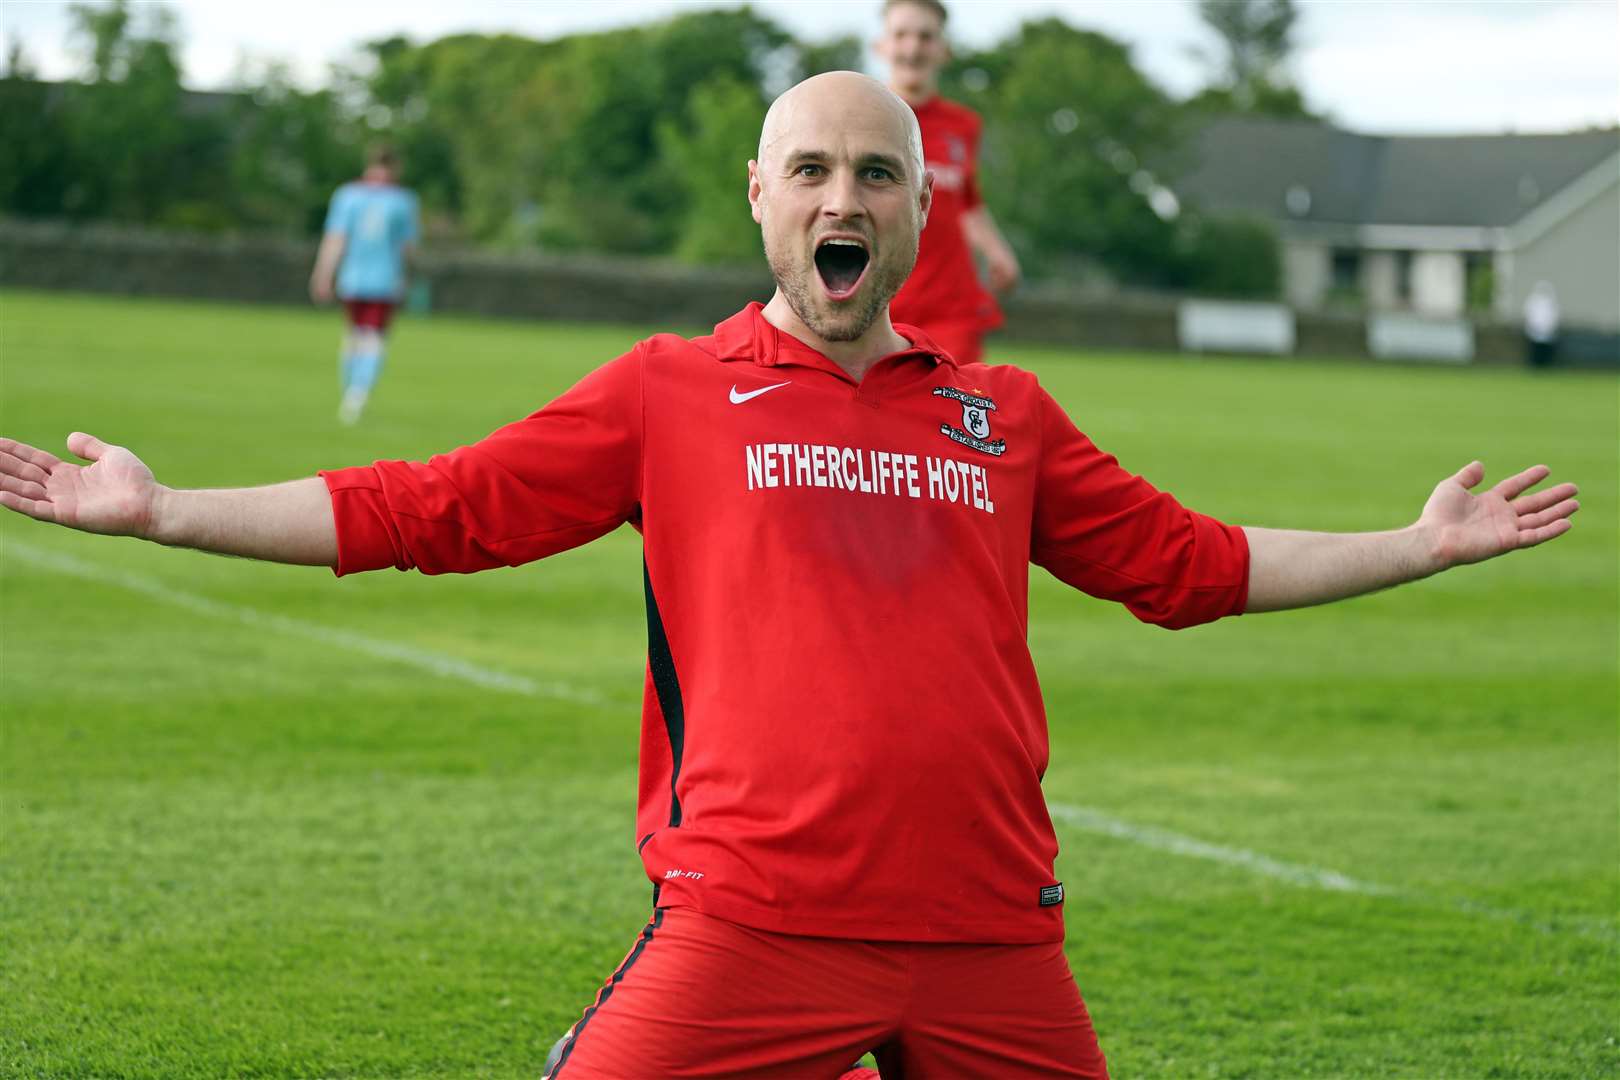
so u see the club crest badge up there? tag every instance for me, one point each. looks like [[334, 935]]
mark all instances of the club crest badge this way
[[975, 429], [974, 419]]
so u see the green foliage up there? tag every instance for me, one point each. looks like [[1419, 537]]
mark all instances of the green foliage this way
[[233, 850], [1261, 99], [559, 142], [1070, 124], [707, 159], [1257, 38], [599, 102], [461, 111], [111, 39], [39, 163], [838, 54], [290, 150], [607, 142], [141, 156], [1231, 256], [131, 144]]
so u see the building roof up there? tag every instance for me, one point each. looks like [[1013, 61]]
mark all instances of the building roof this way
[[1300, 170]]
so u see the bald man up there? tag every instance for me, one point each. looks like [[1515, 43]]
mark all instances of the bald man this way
[[843, 740]]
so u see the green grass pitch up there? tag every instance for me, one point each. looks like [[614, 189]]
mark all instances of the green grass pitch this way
[[235, 843]]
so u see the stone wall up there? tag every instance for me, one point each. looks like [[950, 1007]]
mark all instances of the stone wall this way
[[140, 262], [144, 263]]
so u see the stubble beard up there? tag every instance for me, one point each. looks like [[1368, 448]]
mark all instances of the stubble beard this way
[[799, 285]]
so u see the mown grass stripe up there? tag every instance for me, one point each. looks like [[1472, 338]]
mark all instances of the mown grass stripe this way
[[434, 663]]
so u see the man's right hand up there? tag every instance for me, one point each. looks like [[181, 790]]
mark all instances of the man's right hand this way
[[115, 494]]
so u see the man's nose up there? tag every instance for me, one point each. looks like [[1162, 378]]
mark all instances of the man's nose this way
[[842, 196]]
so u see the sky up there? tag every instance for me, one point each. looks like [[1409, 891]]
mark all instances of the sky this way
[[1377, 66]]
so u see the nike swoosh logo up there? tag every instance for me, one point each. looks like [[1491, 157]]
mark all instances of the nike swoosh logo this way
[[738, 399]]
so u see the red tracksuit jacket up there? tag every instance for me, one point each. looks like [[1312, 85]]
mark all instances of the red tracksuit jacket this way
[[842, 733]]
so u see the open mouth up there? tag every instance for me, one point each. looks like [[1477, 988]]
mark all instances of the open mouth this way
[[841, 262]]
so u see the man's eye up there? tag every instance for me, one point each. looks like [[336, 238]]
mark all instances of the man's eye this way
[[877, 172], [809, 170]]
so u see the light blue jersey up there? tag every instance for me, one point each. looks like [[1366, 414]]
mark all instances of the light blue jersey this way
[[376, 222]]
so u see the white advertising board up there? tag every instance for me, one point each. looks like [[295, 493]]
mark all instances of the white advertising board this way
[[1230, 326], [1400, 336]]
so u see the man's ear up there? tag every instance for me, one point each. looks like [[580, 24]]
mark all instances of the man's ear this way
[[754, 191], [925, 198]]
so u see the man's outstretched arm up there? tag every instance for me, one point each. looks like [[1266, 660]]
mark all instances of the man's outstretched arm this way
[[117, 495], [1297, 569]]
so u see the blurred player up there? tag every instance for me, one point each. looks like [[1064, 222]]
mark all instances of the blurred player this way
[[843, 737], [371, 228], [944, 295]]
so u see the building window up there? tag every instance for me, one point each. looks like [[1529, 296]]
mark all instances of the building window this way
[[1346, 268], [1403, 276], [1344, 285]]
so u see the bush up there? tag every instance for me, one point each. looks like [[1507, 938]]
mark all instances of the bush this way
[[1231, 256]]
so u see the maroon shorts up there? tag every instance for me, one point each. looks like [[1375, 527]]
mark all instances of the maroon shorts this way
[[699, 996], [369, 314]]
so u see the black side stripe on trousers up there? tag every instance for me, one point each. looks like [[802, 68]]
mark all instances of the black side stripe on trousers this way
[[607, 990], [668, 688]]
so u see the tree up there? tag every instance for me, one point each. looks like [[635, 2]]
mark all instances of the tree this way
[[838, 54], [1257, 39], [141, 154], [290, 150], [108, 34], [39, 164], [1070, 124], [462, 112], [563, 142], [634, 97], [706, 157]]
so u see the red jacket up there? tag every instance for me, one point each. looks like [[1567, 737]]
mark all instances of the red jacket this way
[[842, 731]]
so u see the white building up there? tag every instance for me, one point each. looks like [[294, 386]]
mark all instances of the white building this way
[[1439, 226]]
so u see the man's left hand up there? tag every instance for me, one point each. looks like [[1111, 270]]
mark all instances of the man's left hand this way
[[1469, 528]]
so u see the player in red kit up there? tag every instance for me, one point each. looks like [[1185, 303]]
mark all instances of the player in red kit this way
[[944, 295], [838, 519]]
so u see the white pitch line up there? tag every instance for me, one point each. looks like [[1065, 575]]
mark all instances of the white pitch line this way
[[434, 663], [1083, 817], [1311, 877]]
